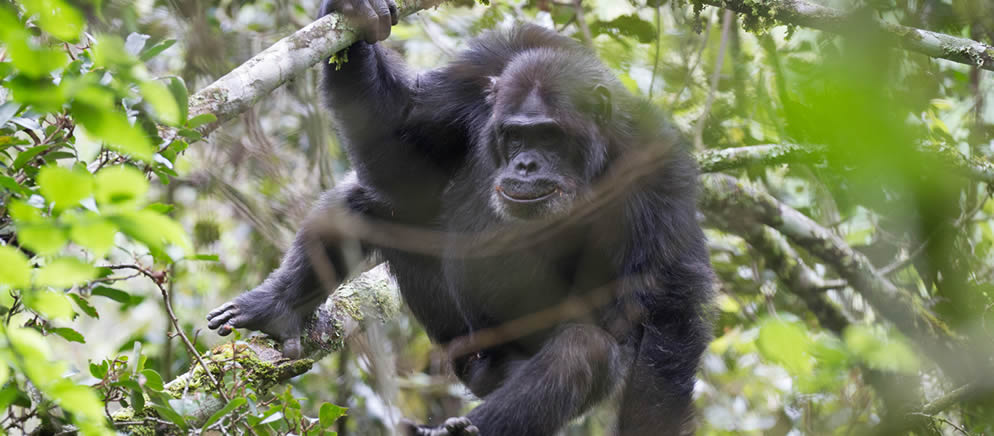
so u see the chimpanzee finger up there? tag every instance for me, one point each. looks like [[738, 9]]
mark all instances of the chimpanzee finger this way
[[460, 426], [220, 309], [225, 330], [368, 22], [221, 318], [383, 13], [394, 15]]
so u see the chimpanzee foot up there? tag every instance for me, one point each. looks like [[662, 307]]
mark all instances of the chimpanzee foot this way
[[259, 310], [458, 426]]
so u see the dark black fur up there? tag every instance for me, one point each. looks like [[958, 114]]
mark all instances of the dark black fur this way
[[429, 153]]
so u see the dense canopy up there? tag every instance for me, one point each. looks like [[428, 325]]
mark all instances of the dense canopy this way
[[151, 169]]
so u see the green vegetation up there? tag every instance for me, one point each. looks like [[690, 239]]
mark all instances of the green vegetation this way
[[852, 224]]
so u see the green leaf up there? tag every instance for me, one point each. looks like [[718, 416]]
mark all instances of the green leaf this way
[[626, 25], [151, 52], [160, 98], [121, 185], [13, 186], [138, 401], [232, 405], [84, 305], [330, 413], [160, 208], [78, 399], [114, 294], [99, 370], [787, 344], [180, 95], [30, 60], [23, 212], [171, 415], [25, 156], [69, 334], [65, 272], [152, 380], [15, 271], [53, 305], [190, 135], [95, 234], [272, 418], [4, 373], [57, 18], [43, 238], [64, 187], [110, 52], [153, 229], [200, 120], [11, 395], [204, 257], [113, 128], [879, 351], [29, 343], [8, 110]]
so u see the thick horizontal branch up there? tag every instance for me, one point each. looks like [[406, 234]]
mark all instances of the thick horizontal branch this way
[[802, 13], [749, 205], [783, 259], [234, 93], [899, 392], [716, 160], [370, 297]]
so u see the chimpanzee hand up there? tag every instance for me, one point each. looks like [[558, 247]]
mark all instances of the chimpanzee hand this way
[[372, 17], [261, 309], [459, 426]]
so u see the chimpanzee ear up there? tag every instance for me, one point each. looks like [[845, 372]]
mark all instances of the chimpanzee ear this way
[[490, 90], [602, 102]]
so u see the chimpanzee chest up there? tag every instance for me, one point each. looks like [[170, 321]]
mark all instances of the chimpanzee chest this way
[[532, 289], [509, 286]]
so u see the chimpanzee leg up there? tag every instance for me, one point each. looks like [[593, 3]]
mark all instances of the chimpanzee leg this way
[[575, 369], [315, 264], [657, 396]]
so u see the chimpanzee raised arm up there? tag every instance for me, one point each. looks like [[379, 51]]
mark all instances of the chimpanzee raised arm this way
[[525, 137]]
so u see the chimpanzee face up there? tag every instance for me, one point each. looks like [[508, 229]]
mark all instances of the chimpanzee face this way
[[540, 159], [545, 136]]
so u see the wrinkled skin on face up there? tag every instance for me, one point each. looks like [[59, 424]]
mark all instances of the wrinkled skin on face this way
[[541, 139]]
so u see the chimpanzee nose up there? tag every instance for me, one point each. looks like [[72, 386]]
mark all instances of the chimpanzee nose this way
[[526, 163]]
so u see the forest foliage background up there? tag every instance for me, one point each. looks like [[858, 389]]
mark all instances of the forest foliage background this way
[[851, 225]]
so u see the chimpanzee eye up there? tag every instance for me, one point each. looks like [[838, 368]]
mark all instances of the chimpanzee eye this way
[[513, 140]]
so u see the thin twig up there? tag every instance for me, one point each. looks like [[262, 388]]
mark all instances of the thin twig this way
[[726, 22], [158, 279], [655, 59], [943, 420], [961, 221], [581, 22]]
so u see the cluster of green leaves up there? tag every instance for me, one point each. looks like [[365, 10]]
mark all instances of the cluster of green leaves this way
[[79, 140], [280, 414]]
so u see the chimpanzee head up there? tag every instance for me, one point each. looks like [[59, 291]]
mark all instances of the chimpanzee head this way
[[548, 134]]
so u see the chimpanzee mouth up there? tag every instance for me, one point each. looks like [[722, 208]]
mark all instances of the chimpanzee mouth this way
[[528, 197]]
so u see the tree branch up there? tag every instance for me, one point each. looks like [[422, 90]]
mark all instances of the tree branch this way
[[370, 297], [234, 93], [802, 13], [751, 206], [716, 160], [374, 293], [784, 260]]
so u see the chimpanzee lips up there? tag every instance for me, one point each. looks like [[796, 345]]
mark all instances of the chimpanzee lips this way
[[528, 195]]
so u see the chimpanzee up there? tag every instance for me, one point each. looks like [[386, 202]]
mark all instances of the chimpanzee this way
[[570, 268]]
